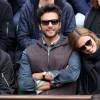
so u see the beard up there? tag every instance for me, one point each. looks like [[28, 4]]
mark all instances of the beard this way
[[52, 36]]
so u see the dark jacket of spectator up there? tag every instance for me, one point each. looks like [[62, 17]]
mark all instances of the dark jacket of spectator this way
[[16, 4], [7, 80], [16, 7], [92, 21], [91, 73], [81, 6], [7, 35]]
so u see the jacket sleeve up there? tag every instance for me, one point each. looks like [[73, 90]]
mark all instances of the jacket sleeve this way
[[25, 81], [70, 73], [7, 76], [23, 32], [81, 6], [68, 19], [6, 27]]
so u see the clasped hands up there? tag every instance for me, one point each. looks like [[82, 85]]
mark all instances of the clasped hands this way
[[45, 77]]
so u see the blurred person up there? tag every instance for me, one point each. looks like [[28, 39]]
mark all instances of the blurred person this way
[[7, 34]]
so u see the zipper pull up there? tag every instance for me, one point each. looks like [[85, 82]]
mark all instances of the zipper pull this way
[[7, 30], [2, 74]]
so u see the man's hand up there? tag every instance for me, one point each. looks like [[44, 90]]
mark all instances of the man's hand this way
[[43, 76], [38, 76], [49, 76]]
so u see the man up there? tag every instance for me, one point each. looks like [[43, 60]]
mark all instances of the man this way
[[49, 66], [28, 27]]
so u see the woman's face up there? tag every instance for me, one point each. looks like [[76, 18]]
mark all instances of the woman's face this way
[[87, 45], [98, 2]]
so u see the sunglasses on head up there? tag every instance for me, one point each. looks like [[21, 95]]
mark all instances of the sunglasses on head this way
[[53, 22], [88, 43]]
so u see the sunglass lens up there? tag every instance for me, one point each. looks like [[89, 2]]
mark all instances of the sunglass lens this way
[[89, 42], [44, 22], [82, 48], [53, 22]]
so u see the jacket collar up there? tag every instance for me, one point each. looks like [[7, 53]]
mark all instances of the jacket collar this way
[[62, 41]]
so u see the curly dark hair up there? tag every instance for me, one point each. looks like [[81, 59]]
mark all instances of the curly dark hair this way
[[48, 8]]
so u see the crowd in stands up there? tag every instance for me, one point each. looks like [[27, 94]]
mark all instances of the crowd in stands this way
[[49, 47]]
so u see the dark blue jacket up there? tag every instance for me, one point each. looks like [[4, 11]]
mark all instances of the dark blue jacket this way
[[16, 4], [28, 29], [81, 6], [7, 34], [92, 21]]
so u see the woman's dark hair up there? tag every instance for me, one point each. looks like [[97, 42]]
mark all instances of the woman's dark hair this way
[[48, 8]]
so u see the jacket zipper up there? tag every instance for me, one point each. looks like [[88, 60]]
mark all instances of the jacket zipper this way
[[49, 48], [7, 29], [5, 79]]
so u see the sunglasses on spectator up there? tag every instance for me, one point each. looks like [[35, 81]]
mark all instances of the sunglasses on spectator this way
[[88, 43], [53, 22]]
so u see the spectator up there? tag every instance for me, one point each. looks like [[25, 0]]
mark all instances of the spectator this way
[[49, 66], [7, 79], [7, 35], [92, 21], [28, 28], [86, 42]]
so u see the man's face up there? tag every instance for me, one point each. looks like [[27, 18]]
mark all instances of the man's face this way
[[98, 2], [50, 24], [45, 2]]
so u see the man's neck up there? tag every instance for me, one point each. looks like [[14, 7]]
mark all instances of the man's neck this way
[[50, 41]]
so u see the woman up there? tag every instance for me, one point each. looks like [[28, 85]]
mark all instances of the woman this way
[[92, 21], [87, 43]]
